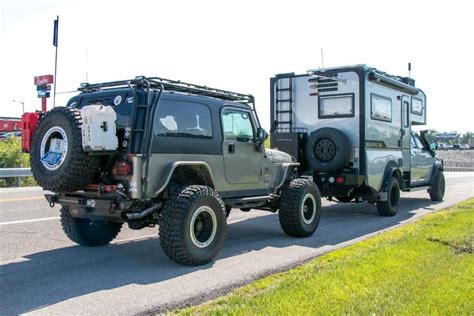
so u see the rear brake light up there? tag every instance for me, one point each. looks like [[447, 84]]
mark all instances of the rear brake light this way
[[340, 180], [122, 168]]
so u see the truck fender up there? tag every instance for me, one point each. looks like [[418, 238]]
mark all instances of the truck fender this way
[[436, 168], [285, 173], [391, 170], [200, 167]]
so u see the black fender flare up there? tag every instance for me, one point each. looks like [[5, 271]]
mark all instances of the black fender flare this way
[[436, 168], [391, 170], [203, 167]]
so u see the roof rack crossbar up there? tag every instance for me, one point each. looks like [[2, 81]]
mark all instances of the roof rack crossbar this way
[[171, 85]]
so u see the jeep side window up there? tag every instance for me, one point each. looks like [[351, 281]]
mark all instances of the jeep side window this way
[[183, 119], [237, 125]]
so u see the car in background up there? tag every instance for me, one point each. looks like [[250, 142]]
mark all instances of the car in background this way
[[442, 146], [5, 136]]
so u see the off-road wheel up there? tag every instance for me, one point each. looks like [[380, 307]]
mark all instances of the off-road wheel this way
[[58, 137], [300, 208], [193, 225], [438, 188], [327, 149], [391, 206], [87, 232]]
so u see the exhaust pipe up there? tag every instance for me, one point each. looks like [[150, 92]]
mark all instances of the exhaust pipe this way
[[145, 212]]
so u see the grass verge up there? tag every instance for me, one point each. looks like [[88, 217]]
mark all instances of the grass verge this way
[[426, 267]]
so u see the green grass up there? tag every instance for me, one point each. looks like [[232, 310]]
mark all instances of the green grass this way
[[426, 267]]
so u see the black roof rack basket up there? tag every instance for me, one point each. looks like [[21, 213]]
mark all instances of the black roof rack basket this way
[[171, 85]]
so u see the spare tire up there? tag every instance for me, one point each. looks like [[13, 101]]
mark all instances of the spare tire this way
[[57, 159], [327, 150]]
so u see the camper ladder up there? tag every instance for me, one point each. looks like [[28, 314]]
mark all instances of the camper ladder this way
[[284, 104]]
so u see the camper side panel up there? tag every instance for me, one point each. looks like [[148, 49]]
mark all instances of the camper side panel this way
[[382, 134]]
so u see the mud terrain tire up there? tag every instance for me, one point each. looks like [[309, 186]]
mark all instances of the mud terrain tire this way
[[76, 168], [86, 232], [193, 225], [300, 208]]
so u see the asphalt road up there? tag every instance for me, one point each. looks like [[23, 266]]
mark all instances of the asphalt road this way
[[42, 272]]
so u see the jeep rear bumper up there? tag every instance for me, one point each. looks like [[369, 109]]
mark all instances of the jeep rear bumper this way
[[88, 207]]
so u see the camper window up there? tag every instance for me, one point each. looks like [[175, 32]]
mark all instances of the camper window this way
[[336, 106], [417, 106], [381, 108]]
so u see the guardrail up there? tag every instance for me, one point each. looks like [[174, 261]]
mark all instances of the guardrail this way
[[26, 172], [15, 173]]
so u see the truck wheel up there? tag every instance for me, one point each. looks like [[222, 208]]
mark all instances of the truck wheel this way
[[327, 149], [86, 232], [193, 225], [72, 168], [390, 207], [300, 208], [438, 188]]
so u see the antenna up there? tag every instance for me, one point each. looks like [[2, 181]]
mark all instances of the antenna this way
[[87, 59], [409, 70], [322, 58]]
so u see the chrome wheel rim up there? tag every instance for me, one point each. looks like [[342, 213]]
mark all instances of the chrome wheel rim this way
[[203, 226], [308, 208], [58, 134]]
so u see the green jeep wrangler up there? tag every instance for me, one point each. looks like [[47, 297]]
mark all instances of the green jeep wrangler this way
[[153, 151]]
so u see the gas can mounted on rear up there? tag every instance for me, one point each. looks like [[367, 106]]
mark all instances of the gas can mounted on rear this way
[[28, 126], [98, 128]]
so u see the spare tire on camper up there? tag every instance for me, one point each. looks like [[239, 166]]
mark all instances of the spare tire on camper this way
[[58, 161], [327, 150]]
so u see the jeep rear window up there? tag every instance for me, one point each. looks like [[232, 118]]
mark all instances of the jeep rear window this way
[[183, 119]]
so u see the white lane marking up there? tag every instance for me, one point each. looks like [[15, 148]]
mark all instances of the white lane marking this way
[[29, 221]]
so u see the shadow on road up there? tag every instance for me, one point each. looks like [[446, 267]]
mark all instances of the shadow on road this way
[[53, 276]]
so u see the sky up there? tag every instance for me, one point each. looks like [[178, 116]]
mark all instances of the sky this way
[[238, 46]]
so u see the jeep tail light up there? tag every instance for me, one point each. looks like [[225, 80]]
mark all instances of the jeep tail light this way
[[122, 168], [340, 180]]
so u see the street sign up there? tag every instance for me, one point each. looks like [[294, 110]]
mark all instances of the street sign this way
[[44, 80], [43, 94], [43, 88]]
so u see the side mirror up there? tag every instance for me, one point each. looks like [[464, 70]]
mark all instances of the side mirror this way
[[434, 146], [262, 135]]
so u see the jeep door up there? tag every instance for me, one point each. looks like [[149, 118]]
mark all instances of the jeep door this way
[[421, 162], [242, 161]]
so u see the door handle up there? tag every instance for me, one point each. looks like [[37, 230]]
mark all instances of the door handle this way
[[231, 148]]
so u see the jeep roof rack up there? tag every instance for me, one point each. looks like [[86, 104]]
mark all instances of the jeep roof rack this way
[[171, 85]]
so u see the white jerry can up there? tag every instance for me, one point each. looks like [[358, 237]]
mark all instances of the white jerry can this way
[[98, 128]]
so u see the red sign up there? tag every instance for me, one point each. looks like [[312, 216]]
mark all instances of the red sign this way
[[43, 80]]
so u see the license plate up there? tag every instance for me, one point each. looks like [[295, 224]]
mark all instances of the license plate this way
[[56, 145], [52, 158]]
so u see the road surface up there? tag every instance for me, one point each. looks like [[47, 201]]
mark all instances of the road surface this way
[[42, 272]]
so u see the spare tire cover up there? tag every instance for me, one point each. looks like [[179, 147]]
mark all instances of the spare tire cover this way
[[327, 150], [57, 159]]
